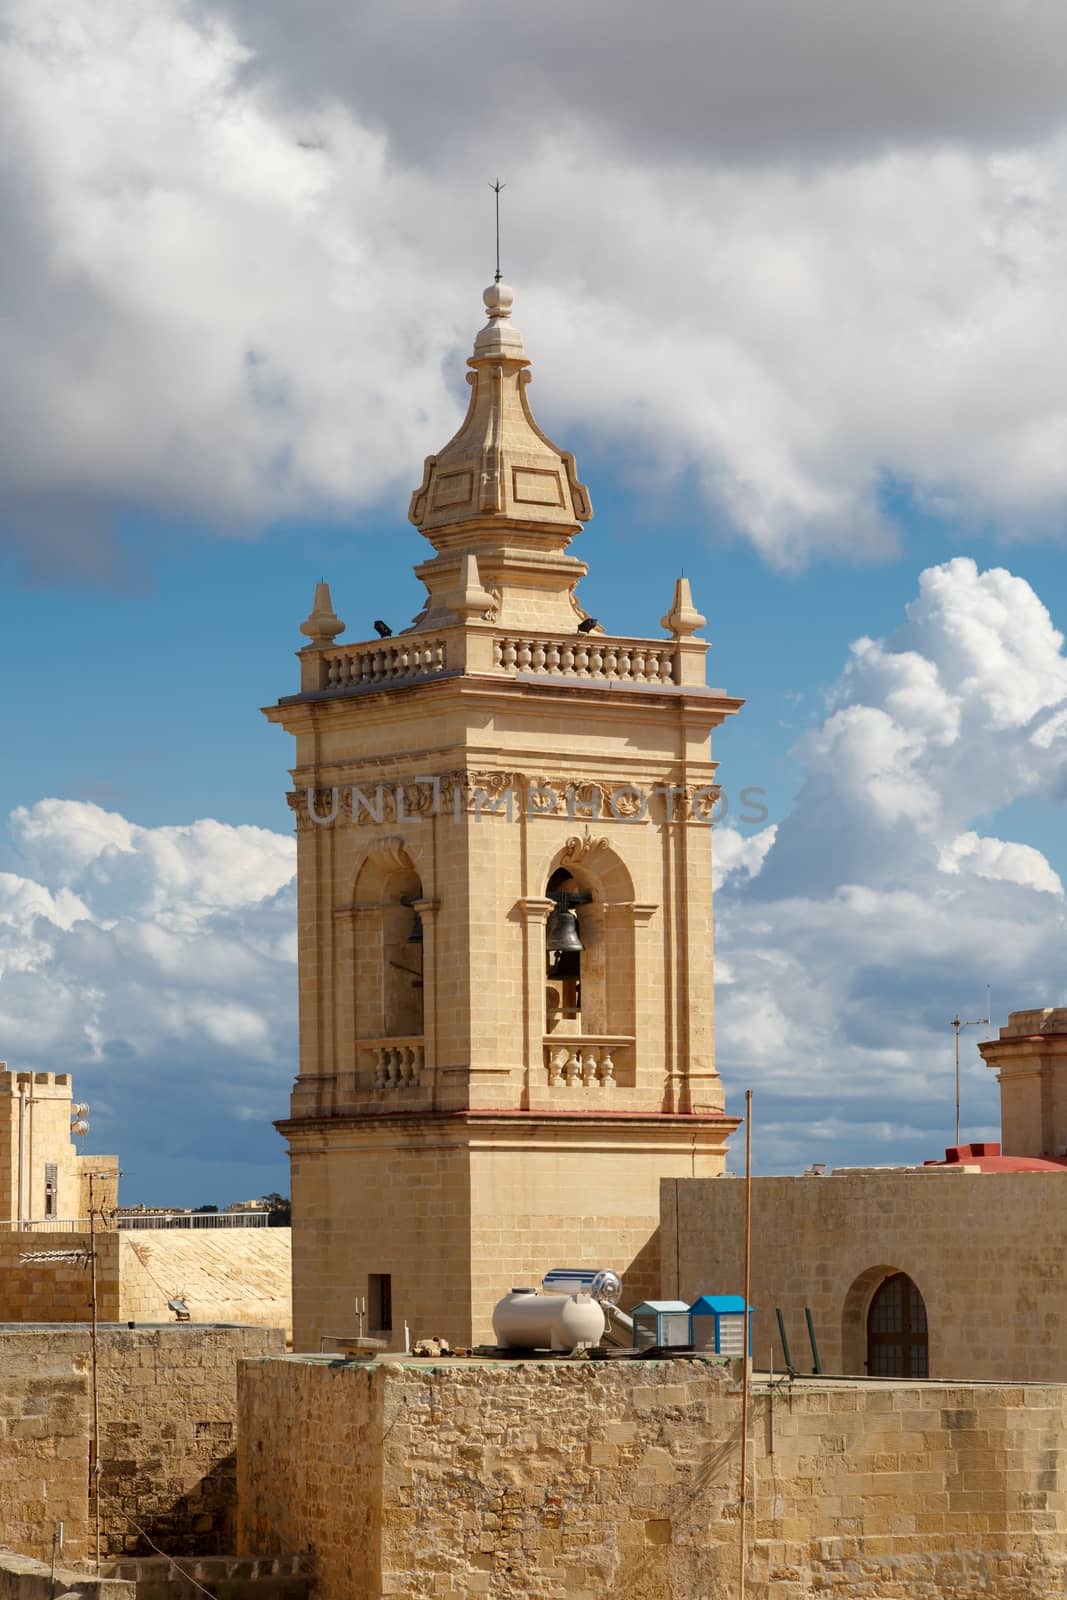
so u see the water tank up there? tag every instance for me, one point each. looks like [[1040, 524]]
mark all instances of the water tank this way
[[526, 1320], [602, 1283]]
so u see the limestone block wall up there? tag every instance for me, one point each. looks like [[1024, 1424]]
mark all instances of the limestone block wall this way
[[44, 1439], [56, 1291], [574, 1481], [168, 1398], [167, 1422], [310, 1467], [988, 1252]]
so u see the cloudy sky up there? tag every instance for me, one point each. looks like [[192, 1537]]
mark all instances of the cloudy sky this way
[[794, 279]]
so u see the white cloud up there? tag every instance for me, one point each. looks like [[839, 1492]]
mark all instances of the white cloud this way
[[734, 852], [157, 965], [882, 906], [997, 858], [243, 254]]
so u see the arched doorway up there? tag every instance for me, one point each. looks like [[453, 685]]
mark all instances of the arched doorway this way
[[897, 1344]]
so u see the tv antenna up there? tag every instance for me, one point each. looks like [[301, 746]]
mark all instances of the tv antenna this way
[[496, 188], [958, 1023]]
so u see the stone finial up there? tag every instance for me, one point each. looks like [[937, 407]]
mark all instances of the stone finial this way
[[683, 619], [468, 599], [498, 337], [322, 626], [499, 471]]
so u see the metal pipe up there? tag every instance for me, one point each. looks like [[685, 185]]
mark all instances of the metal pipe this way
[[95, 1478], [789, 1367], [817, 1364], [743, 1520]]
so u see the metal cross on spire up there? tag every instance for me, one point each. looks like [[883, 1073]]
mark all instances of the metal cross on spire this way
[[496, 188]]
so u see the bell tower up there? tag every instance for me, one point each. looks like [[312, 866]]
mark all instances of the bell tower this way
[[505, 908]]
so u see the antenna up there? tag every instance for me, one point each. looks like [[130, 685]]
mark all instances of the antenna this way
[[496, 188], [958, 1023]]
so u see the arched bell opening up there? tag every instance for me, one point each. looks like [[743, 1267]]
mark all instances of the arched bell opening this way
[[387, 938], [402, 955], [564, 951], [589, 969]]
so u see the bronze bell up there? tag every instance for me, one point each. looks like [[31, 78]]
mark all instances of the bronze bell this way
[[561, 930], [415, 936]]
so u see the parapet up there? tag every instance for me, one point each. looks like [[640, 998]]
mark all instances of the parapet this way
[[58, 1083]]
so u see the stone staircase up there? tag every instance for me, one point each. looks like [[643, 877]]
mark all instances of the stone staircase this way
[[224, 1577]]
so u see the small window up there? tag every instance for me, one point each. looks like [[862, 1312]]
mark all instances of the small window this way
[[51, 1189], [380, 1301]]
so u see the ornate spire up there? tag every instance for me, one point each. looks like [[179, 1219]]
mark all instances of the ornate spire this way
[[323, 625], [499, 469]]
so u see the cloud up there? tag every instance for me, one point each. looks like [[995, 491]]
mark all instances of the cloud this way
[[885, 902], [812, 262], [157, 965]]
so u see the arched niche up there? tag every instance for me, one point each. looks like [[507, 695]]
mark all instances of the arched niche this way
[[388, 966], [593, 997], [884, 1330]]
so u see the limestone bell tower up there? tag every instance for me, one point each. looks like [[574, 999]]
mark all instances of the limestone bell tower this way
[[505, 908]]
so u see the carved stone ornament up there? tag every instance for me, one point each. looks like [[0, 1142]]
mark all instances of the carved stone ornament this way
[[579, 852]]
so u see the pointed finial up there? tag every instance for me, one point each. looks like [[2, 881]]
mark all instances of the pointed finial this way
[[322, 626], [468, 599], [683, 619]]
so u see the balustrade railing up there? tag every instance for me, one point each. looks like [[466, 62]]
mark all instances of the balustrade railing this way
[[398, 1063], [587, 656], [587, 1061], [142, 1220], [408, 657]]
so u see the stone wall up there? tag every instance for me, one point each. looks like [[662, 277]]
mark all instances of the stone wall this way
[[310, 1467], [168, 1402], [57, 1291], [44, 1439], [571, 1481], [241, 1275], [988, 1252], [877, 1490], [22, 1578], [167, 1424]]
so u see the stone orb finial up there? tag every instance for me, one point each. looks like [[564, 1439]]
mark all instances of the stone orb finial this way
[[499, 299]]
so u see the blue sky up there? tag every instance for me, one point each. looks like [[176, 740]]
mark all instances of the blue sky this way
[[794, 295]]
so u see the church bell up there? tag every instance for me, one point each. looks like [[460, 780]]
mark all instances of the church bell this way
[[561, 931], [415, 936]]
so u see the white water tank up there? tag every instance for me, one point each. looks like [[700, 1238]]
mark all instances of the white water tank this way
[[526, 1320]]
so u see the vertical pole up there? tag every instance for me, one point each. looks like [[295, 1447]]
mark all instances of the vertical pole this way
[[22, 1155], [743, 1528], [95, 1484], [956, 1025]]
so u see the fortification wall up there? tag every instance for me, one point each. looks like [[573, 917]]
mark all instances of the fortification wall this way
[[168, 1413], [570, 1481], [239, 1275], [988, 1252]]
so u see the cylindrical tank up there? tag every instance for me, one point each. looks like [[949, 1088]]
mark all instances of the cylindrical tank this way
[[526, 1320], [601, 1282]]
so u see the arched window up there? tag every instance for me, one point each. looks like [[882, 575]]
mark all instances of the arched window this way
[[897, 1345]]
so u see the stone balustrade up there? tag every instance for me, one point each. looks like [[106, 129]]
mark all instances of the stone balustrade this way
[[587, 1061], [400, 660], [398, 1063], [587, 656]]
